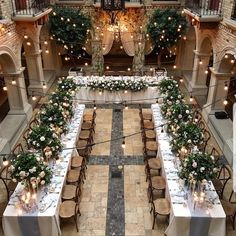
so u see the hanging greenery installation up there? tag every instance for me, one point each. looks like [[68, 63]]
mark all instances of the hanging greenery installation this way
[[69, 27]]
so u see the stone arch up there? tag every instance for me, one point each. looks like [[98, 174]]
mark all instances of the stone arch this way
[[8, 60], [224, 64]]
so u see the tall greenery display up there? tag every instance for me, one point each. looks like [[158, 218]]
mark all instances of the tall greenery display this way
[[69, 27], [166, 27]]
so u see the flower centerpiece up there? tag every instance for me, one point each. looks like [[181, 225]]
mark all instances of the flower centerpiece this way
[[186, 136], [67, 84], [198, 168], [134, 85], [176, 114], [30, 170], [54, 116], [168, 85], [43, 138], [64, 98]]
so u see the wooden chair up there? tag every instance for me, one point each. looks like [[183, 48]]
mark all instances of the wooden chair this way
[[7, 180], [74, 177], [197, 116], [206, 138], [149, 135], [156, 184], [71, 192], [33, 123], [152, 167], [160, 206], [201, 125], [69, 209], [230, 209], [215, 153], [148, 125], [150, 149], [25, 138], [79, 162], [17, 149], [225, 174]]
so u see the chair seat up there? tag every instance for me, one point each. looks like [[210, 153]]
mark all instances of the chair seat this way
[[86, 125], [147, 116], [228, 207], [148, 124], [162, 206], [76, 161], [69, 192], [151, 145], [82, 144], [150, 134], [88, 117], [84, 134], [73, 176], [158, 182], [154, 163], [217, 184], [67, 209]]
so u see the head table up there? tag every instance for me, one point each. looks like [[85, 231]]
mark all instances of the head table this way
[[147, 95], [185, 220], [44, 221]]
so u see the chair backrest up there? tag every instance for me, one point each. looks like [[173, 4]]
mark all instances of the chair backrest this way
[[225, 174], [197, 116], [215, 153], [18, 149], [25, 137], [201, 125], [33, 123]]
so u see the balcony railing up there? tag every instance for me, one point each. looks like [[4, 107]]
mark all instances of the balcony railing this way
[[205, 7], [29, 7], [127, 1]]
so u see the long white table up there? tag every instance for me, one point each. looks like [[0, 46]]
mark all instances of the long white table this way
[[184, 219], [86, 94], [45, 223]]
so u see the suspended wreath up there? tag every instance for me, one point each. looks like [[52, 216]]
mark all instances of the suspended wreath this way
[[166, 27]]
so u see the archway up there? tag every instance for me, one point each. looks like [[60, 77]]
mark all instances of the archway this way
[[7, 65], [228, 66]]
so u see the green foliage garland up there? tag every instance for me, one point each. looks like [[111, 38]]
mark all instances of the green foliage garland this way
[[166, 27], [69, 26]]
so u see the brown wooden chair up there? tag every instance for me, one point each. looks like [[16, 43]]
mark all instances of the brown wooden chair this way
[[17, 149], [159, 206], [201, 124], [225, 174], [215, 153], [148, 125], [25, 138], [207, 137], [71, 192], [33, 123], [197, 116], [152, 167], [230, 209], [7, 180], [74, 177], [79, 162], [69, 209]]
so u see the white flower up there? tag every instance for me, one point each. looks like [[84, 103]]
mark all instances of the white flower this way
[[212, 157], [42, 174], [42, 138], [187, 111], [14, 180], [180, 116], [215, 170], [202, 169], [189, 141], [50, 118], [12, 168], [32, 179], [34, 142], [194, 165], [22, 173], [42, 182], [38, 158]]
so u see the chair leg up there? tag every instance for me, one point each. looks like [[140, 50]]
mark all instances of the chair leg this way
[[75, 217], [154, 219]]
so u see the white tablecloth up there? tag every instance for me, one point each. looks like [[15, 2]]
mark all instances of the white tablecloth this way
[[45, 223], [184, 220]]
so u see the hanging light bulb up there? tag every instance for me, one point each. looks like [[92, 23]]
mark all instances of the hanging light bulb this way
[[225, 102], [68, 19], [13, 82], [28, 43], [100, 92], [4, 88], [33, 97], [62, 18], [181, 80], [5, 162], [128, 69], [44, 85], [25, 36], [206, 71], [174, 66], [107, 67], [226, 56], [226, 86], [191, 98], [123, 143], [86, 63], [94, 106], [232, 61], [47, 51], [200, 62], [126, 107], [196, 118]]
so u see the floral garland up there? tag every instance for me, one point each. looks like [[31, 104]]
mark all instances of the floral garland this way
[[198, 167], [42, 138], [118, 85], [54, 116], [168, 85], [186, 137], [30, 170], [67, 84]]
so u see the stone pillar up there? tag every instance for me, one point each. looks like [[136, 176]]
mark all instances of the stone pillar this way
[[17, 94], [216, 93], [97, 57], [48, 56], [35, 71], [139, 56], [198, 82]]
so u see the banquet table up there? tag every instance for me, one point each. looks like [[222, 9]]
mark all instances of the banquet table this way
[[86, 94], [44, 221], [185, 219]]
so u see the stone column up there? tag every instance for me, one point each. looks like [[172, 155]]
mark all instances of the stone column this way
[[48, 56], [97, 57], [198, 82], [35, 71], [139, 56], [216, 93], [17, 94]]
